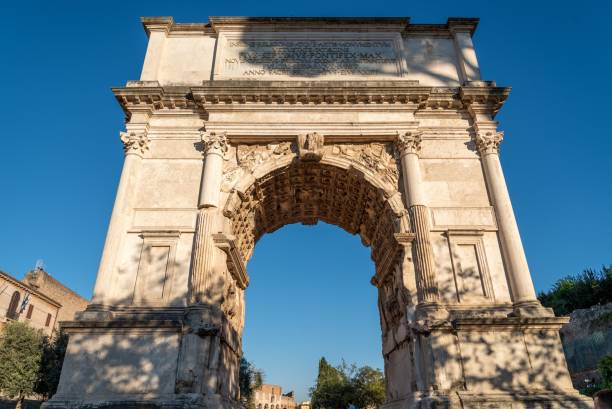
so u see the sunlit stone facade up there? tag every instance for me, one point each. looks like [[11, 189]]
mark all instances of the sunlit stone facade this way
[[382, 127], [271, 397]]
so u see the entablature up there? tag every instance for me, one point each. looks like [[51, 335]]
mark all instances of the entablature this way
[[148, 95]]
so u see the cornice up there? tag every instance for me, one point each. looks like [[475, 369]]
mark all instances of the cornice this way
[[217, 24], [453, 24], [167, 25], [484, 99], [149, 96], [308, 23]]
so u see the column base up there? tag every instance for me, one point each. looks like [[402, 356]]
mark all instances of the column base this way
[[529, 309], [509, 400]]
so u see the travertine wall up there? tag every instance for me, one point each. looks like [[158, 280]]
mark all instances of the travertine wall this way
[[382, 127]]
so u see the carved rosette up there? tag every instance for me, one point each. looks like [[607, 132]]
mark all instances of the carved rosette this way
[[488, 142], [408, 142], [134, 142], [214, 143]]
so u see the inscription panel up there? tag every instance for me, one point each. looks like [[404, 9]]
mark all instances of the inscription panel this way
[[276, 56]]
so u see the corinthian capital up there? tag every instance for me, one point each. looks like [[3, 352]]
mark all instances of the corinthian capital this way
[[488, 142], [408, 142], [214, 142], [134, 142]]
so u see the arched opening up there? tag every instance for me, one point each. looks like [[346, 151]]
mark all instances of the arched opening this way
[[361, 200], [338, 192], [13, 305], [310, 288]]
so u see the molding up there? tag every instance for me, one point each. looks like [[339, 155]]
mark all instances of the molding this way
[[403, 242], [483, 99], [235, 262], [490, 324], [473, 237], [139, 326], [347, 132], [149, 97], [222, 23], [462, 24], [451, 232]]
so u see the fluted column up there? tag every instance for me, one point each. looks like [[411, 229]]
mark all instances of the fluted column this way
[[409, 145], [487, 141], [215, 146], [135, 144]]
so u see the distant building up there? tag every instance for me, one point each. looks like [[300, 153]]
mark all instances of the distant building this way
[[38, 299], [304, 405], [272, 397]]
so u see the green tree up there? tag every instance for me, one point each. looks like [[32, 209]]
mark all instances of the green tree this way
[[583, 290], [338, 387], [53, 352], [368, 386], [605, 370], [330, 389], [249, 379], [20, 357]]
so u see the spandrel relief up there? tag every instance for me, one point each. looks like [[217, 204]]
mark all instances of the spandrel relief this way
[[376, 157]]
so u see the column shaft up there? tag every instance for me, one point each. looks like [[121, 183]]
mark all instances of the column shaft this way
[[203, 255], [203, 258], [510, 239], [427, 286]]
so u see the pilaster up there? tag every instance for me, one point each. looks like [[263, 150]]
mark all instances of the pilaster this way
[[462, 30], [157, 29]]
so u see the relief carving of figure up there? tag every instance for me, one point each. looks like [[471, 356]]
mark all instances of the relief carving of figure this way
[[391, 305], [250, 156], [310, 146], [377, 157], [232, 303]]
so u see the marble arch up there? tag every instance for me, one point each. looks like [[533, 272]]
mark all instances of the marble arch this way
[[383, 127]]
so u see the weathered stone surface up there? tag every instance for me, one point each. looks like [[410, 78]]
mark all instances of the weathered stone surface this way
[[379, 126]]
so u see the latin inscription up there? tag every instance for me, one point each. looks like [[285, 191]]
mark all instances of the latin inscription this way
[[310, 58]]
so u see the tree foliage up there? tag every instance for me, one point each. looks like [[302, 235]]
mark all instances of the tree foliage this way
[[53, 352], [338, 387], [605, 370], [20, 357], [583, 290], [249, 379]]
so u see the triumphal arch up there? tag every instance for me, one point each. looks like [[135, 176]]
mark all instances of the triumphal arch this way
[[385, 128]]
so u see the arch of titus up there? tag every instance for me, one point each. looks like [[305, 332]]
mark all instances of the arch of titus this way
[[240, 126]]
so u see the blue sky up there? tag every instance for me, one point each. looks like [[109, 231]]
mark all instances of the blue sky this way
[[61, 157]]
